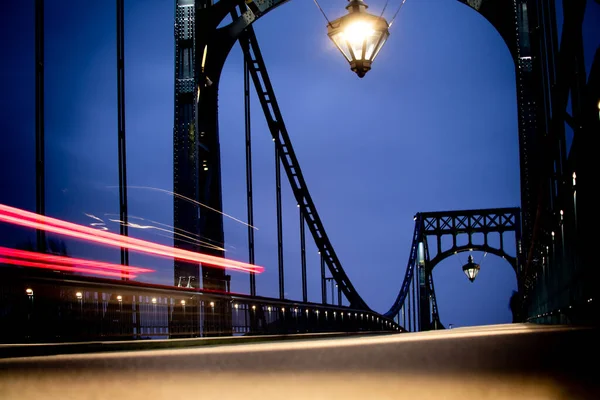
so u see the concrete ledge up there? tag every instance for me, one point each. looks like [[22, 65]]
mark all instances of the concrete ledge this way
[[47, 349]]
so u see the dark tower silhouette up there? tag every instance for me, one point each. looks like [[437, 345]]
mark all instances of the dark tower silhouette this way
[[196, 154], [185, 154]]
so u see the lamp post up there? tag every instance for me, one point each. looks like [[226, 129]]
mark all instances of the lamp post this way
[[359, 35], [471, 269]]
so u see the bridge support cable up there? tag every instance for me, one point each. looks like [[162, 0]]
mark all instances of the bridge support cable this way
[[410, 308], [323, 282], [435, 318], [279, 222], [123, 212], [303, 258], [249, 193], [412, 259], [40, 147], [415, 304], [291, 165], [425, 294]]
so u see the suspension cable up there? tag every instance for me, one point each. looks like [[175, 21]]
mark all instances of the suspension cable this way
[[481, 260], [396, 14], [323, 12], [384, 8]]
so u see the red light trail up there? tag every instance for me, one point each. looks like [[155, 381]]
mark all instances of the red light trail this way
[[72, 264], [32, 220], [54, 267]]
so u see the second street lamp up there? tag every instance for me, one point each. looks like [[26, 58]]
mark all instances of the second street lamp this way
[[471, 269], [359, 35]]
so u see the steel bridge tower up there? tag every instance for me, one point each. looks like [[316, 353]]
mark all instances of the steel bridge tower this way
[[552, 96], [196, 159]]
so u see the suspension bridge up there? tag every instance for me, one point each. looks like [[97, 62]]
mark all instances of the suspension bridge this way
[[48, 297]]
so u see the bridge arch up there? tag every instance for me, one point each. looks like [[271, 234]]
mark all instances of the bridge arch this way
[[258, 8], [501, 15], [468, 248], [467, 223]]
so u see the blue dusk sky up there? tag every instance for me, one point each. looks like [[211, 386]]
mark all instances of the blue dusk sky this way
[[432, 127]]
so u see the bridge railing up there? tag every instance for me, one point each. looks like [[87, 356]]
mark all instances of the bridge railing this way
[[67, 308]]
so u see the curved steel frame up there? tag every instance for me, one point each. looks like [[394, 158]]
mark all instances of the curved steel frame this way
[[553, 62], [470, 222], [438, 224], [217, 43]]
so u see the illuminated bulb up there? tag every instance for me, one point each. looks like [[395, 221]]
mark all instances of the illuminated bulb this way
[[282, 309], [269, 308], [29, 292], [79, 295], [357, 32], [119, 298], [212, 303], [183, 302], [154, 300], [235, 305], [254, 307]]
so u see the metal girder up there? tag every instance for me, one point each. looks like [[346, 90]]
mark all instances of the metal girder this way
[[410, 268], [249, 190], [40, 147], [560, 75], [470, 222], [454, 223], [291, 166], [550, 73], [200, 33], [499, 13], [185, 158], [122, 149]]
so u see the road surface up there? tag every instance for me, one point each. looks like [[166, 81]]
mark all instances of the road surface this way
[[516, 361]]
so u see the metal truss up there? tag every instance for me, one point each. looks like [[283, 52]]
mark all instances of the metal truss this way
[[285, 156], [548, 72], [409, 276], [470, 222], [553, 97], [416, 297]]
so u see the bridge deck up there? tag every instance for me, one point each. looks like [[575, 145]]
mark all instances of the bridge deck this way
[[501, 361]]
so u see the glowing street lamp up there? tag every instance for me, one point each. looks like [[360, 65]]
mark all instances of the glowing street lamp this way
[[471, 269], [359, 36]]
